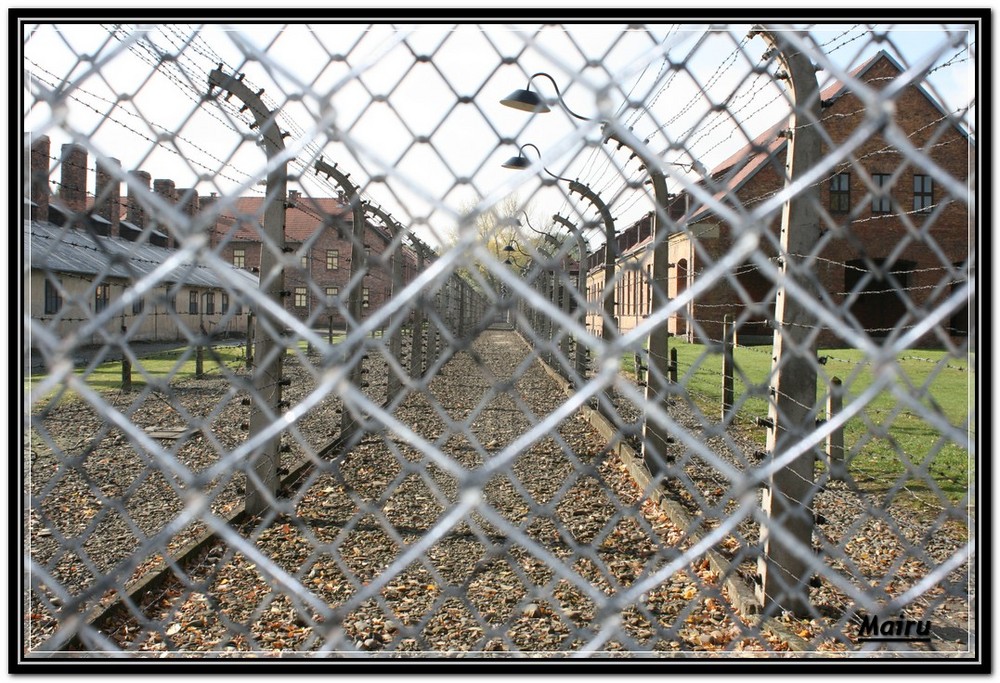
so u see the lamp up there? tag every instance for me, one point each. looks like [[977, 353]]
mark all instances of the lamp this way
[[526, 100], [521, 162], [518, 163], [575, 186], [653, 439], [509, 249]]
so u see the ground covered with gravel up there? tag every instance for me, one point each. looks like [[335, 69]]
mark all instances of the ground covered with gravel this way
[[385, 549]]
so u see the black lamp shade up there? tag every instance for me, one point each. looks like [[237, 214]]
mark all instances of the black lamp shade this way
[[517, 163], [525, 100]]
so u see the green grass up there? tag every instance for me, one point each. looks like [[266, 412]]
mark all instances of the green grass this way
[[885, 439], [173, 365]]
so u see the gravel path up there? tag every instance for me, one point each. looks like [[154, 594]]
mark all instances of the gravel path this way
[[326, 573]]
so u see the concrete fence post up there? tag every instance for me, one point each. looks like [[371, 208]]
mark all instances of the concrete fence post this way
[[268, 354], [835, 440], [784, 567]]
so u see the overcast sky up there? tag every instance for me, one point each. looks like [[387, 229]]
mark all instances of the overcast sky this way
[[419, 105]]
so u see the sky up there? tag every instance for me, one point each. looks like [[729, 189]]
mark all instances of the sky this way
[[412, 112]]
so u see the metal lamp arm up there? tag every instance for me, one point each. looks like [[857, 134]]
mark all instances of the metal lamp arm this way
[[520, 150], [559, 95]]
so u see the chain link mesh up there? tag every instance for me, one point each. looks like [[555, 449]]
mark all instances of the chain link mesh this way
[[697, 378]]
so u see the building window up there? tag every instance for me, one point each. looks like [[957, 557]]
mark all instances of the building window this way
[[240, 258], [225, 303], [102, 297], [305, 262], [193, 303], [209, 303], [923, 193], [332, 259], [53, 301], [138, 305], [331, 294], [840, 193], [882, 201], [301, 295], [364, 297]]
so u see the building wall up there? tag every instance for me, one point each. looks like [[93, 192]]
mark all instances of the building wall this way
[[307, 275], [920, 246], [154, 320]]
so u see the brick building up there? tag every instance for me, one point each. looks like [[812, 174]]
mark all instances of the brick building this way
[[319, 248], [86, 251], [895, 240]]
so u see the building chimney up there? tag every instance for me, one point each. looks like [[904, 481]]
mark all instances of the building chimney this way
[[73, 192], [204, 202], [109, 195], [191, 202], [166, 189], [136, 214], [40, 178]]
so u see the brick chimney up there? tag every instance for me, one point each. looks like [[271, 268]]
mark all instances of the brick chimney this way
[[191, 200], [73, 192], [204, 202], [136, 214], [40, 178], [191, 206], [109, 195], [166, 189]]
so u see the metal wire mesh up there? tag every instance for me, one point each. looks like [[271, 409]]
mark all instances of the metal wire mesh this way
[[359, 392]]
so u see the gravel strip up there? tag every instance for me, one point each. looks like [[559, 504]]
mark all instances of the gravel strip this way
[[583, 535], [585, 530]]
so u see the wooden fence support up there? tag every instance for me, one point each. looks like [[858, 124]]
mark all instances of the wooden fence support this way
[[126, 366], [727, 367], [835, 440]]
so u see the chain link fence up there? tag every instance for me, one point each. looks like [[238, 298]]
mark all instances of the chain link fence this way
[[693, 376]]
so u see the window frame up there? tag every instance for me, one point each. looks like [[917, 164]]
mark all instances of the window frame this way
[[840, 197], [193, 305], [102, 297], [53, 302], [882, 202], [239, 257], [301, 295], [925, 196]]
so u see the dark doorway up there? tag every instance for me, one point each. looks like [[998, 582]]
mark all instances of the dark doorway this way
[[879, 306]]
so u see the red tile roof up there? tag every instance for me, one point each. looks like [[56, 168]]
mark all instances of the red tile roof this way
[[302, 219], [756, 153]]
